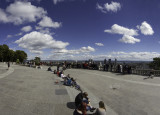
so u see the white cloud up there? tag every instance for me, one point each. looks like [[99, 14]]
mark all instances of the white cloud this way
[[101, 8], [26, 29], [143, 56], [44, 30], [99, 44], [20, 12], [129, 39], [87, 49], [36, 52], [19, 34], [56, 1], [116, 29], [146, 28], [113, 7], [127, 33], [78, 51], [9, 36], [47, 22], [35, 42], [24, 0], [3, 16]]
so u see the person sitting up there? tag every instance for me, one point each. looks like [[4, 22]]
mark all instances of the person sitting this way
[[101, 110], [62, 75], [49, 69], [66, 79], [57, 73], [81, 110], [74, 84], [54, 71], [69, 82], [82, 98], [79, 99], [87, 101]]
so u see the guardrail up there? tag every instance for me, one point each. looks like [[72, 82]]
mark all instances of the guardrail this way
[[145, 72]]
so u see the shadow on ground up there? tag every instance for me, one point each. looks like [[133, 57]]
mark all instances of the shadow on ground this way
[[71, 105]]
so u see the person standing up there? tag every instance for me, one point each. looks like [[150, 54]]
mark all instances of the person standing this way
[[8, 65]]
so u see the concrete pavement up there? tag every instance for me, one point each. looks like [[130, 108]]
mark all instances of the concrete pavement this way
[[124, 94], [30, 91]]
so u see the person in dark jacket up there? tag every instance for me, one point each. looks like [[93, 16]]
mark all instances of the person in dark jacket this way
[[79, 98], [81, 110], [8, 65]]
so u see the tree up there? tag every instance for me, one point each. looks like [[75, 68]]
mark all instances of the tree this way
[[11, 56], [155, 64], [21, 55], [37, 60], [5, 52], [17, 61], [1, 53]]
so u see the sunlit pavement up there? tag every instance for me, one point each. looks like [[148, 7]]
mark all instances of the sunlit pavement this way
[[30, 91]]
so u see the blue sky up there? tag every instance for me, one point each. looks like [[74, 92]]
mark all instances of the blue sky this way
[[82, 29]]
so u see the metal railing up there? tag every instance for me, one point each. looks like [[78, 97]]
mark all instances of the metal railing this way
[[145, 72]]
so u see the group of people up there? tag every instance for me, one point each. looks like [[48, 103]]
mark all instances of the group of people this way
[[82, 101], [68, 81], [82, 104]]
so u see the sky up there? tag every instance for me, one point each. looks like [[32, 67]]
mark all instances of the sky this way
[[82, 29]]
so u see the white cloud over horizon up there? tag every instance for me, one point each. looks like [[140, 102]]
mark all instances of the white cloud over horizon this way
[[35, 42], [74, 52], [145, 28], [113, 7], [123, 56]]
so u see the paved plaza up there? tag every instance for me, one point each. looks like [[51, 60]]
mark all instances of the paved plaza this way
[[30, 91]]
